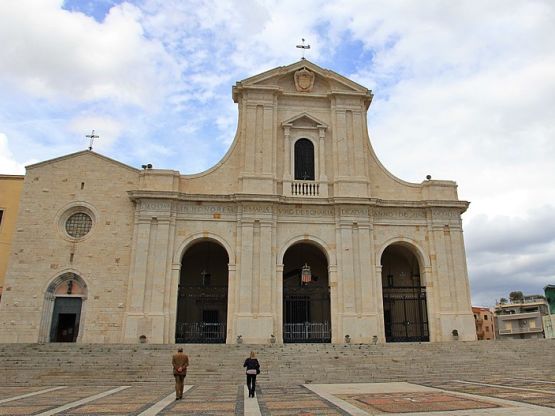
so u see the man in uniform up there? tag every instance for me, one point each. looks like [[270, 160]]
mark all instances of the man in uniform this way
[[180, 362]]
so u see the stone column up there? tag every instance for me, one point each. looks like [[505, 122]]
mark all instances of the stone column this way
[[231, 302], [322, 153], [287, 174], [278, 304], [335, 312], [172, 302], [379, 304], [135, 314]]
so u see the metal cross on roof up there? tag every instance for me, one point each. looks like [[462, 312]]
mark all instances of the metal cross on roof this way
[[91, 136], [303, 47]]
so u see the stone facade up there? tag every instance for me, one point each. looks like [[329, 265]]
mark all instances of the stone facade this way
[[368, 227]]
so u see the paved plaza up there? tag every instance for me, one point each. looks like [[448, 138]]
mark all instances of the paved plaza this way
[[492, 396]]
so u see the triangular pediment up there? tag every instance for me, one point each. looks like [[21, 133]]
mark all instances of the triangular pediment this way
[[304, 120], [326, 81], [79, 155]]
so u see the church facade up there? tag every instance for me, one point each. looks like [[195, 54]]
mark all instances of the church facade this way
[[298, 234]]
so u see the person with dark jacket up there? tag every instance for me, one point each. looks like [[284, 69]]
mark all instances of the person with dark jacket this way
[[253, 368]]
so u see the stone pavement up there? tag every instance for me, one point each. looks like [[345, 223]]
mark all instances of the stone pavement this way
[[485, 396]]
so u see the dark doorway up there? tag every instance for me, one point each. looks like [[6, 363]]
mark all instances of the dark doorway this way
[[65, 319], [306, 304], [202, 295], [404, 297], [66, 327]]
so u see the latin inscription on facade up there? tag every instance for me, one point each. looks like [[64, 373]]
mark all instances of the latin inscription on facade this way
[[399, 213]]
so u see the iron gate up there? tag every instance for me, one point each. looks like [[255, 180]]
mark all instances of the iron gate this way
[[302, 311], [405, 317], [200, 333], [205, 326], [307, 332]]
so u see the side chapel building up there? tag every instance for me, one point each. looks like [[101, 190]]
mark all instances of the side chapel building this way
[[298, 234]]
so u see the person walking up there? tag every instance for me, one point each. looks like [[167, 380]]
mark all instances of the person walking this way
[[253, 368], [180, 362]]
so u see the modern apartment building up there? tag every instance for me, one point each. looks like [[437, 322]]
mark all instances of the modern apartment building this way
[[521, 319]]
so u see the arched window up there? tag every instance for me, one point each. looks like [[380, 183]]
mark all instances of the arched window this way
[[304, 160]]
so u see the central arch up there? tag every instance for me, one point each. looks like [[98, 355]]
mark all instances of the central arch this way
[[202, 294], [306, 299]]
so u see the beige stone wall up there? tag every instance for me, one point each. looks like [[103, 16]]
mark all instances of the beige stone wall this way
[[42, 251]]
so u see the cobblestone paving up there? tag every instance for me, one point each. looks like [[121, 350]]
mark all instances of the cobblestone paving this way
[[6, 392], [131, 401], [43, 402], [272, 400], [413, 402], [207, 400], [536, 392], [294, 400]]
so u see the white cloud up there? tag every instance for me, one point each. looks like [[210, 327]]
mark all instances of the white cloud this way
[[62, 55], [8, 164]]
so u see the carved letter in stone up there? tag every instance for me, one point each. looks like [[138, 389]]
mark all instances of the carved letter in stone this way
[[304, 80]]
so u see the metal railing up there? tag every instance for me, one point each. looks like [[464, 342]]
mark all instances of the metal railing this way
[[200, 333], [307, 332]]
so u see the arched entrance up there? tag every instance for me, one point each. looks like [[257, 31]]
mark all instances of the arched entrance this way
[[63, 309], [404, 297], [202, 294], [306, 295]]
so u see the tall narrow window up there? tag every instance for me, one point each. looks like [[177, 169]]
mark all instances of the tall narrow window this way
[[304, 160]]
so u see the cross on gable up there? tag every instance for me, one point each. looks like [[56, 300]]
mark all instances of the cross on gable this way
[[303, 47], [91, 136]]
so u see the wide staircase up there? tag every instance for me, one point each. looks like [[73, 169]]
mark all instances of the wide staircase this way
[[66, 364]]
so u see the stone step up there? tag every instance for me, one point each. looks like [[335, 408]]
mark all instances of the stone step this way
[[282, 364]]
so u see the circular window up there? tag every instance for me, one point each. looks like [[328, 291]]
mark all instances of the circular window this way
[[78, 224]]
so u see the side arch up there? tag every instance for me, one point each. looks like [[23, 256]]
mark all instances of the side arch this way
[[77, 289], [404, 272], [411, 244]]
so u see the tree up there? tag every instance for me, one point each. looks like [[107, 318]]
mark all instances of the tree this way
[[502, 301], [517, 295]]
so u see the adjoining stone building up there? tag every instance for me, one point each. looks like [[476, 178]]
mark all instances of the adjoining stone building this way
[[298, 234], [10, 190]]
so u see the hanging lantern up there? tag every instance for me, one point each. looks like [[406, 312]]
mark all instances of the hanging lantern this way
[[306, 275]]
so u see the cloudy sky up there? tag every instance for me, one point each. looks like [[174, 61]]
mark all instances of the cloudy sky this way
[[464, 90]]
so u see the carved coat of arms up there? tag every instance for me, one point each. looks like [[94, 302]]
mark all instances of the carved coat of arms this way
[[304, 80]]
